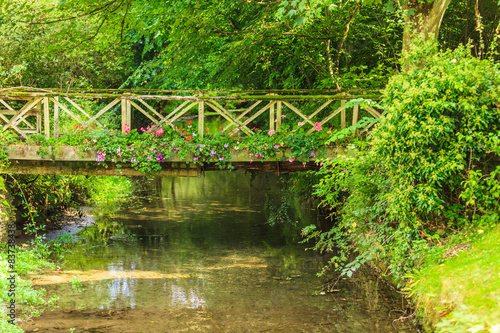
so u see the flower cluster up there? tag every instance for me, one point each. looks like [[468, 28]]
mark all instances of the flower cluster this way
[[147, 148]]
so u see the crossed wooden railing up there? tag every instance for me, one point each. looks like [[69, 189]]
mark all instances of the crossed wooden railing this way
[[30, 110]]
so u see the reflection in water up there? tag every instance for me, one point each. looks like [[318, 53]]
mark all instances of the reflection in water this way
[[203, 243]]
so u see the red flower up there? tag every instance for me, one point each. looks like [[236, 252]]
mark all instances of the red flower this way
[[188, 122], [93, 126], [185, 132], [189, 137]]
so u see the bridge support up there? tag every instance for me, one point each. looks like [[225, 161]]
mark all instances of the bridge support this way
[[170, 169]]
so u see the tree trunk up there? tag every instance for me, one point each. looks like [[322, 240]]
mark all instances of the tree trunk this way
[[425, 21]]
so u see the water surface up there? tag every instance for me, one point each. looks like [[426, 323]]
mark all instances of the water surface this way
[[198, 255]]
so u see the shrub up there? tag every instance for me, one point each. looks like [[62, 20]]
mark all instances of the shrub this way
[[431, 167]]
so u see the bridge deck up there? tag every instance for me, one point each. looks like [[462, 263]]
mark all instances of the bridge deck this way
[[68, 160]]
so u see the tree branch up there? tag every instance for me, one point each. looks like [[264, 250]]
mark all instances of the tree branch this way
[[94, 11], [261, 3], [123, 20], [340, 44]]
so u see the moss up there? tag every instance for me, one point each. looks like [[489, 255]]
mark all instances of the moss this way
[[202, 95]]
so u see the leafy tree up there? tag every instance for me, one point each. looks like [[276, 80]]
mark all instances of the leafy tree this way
[[431, 169]]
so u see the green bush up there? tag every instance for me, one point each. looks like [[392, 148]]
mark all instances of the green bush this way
[[431, 167]]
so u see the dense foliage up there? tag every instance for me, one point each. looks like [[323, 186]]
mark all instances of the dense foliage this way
[[431, 168]]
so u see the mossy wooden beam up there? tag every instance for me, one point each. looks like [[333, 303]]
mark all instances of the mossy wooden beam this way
[[173, 92], [205, 97], [41, 167], [75, 154]]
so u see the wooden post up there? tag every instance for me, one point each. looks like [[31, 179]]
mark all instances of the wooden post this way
[[342, 115], [46, 116], [129, 113], [271, 117], [355, 112], [56, 118], [201, 118], [278, 115], [39, 117], [124, 113]]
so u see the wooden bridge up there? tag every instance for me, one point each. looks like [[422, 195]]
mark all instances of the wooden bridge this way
[[54, 112]]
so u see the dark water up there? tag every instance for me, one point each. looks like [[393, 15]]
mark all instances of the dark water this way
[[199, 256]]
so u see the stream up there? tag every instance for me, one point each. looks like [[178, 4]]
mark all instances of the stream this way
[[198, 256]]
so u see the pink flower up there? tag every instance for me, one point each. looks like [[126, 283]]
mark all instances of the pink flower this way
[[301, 123], [276, 147], [291, 160], [126, 129], [317, 127], [271, 132]]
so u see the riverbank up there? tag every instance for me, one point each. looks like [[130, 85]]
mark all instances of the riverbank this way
[[461, 291]]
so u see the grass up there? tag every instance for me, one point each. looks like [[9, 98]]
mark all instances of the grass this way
[[462, 294], [28, 300]]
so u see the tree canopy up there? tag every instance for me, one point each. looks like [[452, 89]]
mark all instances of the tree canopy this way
[[223, 44]]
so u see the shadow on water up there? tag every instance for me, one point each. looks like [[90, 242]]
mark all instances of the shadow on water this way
[[198, 255]]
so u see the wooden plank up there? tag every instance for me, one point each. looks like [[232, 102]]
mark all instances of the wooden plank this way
[[264, 109], [181, 113], [201, 119], [342, 114], [320, 109], [46, 117], [26, 107], [100, 113], [56, 118], [65, 109], [6, 120], [373, 112], [6, 105], [39, 120], [23, 119], [171, 114], [244, 113], [220, 110], [124, 114], [271, 118], [153, 119], [129, 113], [279, 110], [355, 113], [297, 111], [316, 112], [324, 121], [150, 108], [79, 108], [367, 127], [13, 112]]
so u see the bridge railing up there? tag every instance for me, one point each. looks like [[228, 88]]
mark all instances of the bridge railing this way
[[29, 110]]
